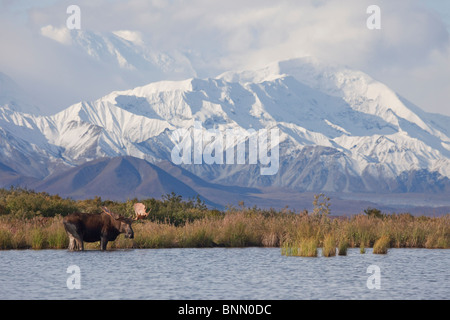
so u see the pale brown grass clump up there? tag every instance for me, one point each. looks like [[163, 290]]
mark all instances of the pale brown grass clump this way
[[306, 247], [381, 245], [342, 247], [329, 246]]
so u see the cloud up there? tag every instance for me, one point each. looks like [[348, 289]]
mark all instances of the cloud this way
[[132, 36], [410, 53], [61, 35]]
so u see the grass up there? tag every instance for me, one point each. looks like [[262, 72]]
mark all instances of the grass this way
[[30, 220], [295, 234], [300, 248], [308, 247], [381, 245], [5, 239], [362, 249], [342, 247], [329, 246]]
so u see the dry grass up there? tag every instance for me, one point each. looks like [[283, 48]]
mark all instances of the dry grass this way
[[381, 245], [329, 246], [243, 228], [342, 247], [300, 248], [37, 233], [308, 247]]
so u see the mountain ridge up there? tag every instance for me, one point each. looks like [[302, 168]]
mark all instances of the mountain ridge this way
[[340, 130]]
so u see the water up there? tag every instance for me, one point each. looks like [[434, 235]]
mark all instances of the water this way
[[219, 273]]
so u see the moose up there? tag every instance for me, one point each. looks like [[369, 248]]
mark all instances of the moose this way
[[105, 226]]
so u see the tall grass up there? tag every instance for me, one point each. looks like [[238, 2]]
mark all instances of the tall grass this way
[[300, 248], [342, 247], [308, 247], [5, 239], [329, 246], [56, 236], [381, 245], [295, 234], [362, 248]]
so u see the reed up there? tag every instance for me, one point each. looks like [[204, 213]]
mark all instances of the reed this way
[[381, 245], [247, 227], [19, 240], [342, 247], [362, 249], [37, 239], [5, 239], [153, 235], [301, 248], [289, 249], [309, 248], [329, 246], [196, 235], [56, 236]]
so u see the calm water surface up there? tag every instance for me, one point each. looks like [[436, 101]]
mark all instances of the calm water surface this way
[[219, 273]]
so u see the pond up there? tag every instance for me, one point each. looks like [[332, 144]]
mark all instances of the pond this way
[[220, 273]]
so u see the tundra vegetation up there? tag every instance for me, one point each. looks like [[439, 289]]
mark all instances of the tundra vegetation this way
[[33, 220]]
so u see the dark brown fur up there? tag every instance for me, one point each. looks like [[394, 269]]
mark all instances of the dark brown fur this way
[[101, 227]]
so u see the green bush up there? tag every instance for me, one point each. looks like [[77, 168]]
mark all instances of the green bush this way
[[24, 203], [373, 212], [172, 209]]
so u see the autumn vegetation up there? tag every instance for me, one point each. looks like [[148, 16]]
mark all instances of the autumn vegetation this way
[[32, 220]]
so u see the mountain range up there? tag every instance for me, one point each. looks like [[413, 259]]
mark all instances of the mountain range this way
[[340, 132]]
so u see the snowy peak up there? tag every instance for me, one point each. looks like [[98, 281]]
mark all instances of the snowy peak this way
[[126, 51], [326, 101], [357, 89], [122, 56], [340, 130]]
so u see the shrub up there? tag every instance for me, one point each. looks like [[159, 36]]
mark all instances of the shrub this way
[[321, 205], [373, 212]]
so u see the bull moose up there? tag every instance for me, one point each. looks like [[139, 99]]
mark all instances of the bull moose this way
[[103, 227]]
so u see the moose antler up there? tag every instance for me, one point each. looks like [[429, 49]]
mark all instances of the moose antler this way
[[139, 210], [112, 214]]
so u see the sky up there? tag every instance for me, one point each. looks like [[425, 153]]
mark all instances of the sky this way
[[410, 53]]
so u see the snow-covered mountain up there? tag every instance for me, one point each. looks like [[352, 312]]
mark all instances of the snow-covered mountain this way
[[340, 130], [126, 50], [124, 54]]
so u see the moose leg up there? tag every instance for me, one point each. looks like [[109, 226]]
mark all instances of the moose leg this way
[[103, 243], [80, 244], [72, 242], [75, 240]]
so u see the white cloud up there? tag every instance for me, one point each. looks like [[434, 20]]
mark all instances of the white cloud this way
[[410, 53], [62, 35], [132, 36]]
